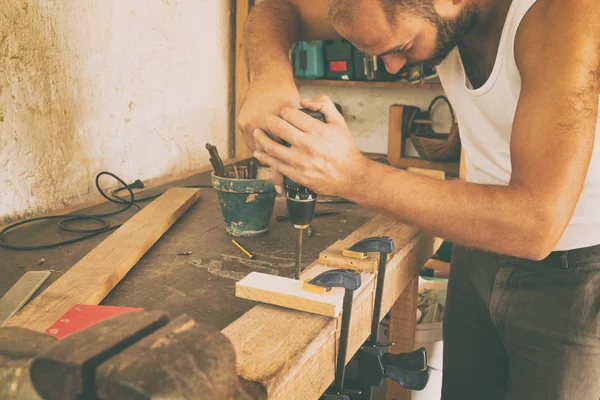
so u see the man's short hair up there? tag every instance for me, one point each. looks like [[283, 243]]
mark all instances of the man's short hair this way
[[346, 10]]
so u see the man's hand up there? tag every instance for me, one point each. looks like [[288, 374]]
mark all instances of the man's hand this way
[[322, 156], [260, 103]]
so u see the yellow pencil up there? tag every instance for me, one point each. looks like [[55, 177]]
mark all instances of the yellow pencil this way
[[246, 252]]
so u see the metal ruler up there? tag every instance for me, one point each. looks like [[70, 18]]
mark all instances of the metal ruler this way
[[20, 293]]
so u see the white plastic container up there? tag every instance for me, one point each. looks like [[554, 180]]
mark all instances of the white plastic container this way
[[430, 336]]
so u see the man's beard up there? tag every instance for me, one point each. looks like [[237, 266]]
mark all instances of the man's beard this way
[[450, 32]]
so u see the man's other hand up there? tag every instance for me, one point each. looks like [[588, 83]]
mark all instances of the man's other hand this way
[[322, 156]]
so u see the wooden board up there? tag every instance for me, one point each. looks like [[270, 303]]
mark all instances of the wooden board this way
[[289, 293], [288, 354], [408, 162], [441, 175], [403, 321], [201, 284], [96, 274], [333, 256], [394, 153], [379, 226]]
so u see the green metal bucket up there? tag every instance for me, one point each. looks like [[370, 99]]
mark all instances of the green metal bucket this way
[[246, 204]]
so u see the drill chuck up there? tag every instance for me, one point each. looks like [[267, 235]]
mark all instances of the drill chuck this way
[[301, 203]]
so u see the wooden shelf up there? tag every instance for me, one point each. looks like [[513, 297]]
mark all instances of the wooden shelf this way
[[368, 84], [413, 162]]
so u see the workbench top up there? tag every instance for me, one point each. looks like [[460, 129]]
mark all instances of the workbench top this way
[[202, 284]]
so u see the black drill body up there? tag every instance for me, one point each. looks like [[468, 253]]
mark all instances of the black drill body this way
[[301, 202]]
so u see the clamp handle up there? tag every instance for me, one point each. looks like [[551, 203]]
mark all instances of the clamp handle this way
[[370, 365], [414, 361], [345, 278], [410, 370], [408, 379], [382, 244]]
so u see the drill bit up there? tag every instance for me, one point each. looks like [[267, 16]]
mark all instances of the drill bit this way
[[299, 253]]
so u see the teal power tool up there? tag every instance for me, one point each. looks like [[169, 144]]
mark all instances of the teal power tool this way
[[350, 281], [301, 202], [410, 370]]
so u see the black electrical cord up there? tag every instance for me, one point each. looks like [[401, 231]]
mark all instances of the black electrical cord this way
[[69, 219]]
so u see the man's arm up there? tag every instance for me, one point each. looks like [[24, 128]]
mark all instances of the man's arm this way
[[557, 53], [272, 28]]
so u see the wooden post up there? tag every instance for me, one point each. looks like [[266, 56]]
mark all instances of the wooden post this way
[[241, 74], [403, 321], [441, 175], [395, 134], [396, 146]]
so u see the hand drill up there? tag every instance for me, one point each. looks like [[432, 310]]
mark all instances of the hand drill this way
[[301, 202]]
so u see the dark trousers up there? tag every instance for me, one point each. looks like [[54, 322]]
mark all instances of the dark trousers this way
[[516, 329]]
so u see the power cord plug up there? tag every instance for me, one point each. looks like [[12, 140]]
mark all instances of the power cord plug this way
[[136, 185]]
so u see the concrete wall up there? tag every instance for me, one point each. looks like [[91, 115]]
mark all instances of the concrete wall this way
[[136, 87]]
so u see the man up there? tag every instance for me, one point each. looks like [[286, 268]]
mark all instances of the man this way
[[522, 318]]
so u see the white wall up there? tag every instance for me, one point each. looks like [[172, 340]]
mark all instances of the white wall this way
[[366, 110], [136, 87]]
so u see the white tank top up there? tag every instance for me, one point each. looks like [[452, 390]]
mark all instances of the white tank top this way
[[485, 117]]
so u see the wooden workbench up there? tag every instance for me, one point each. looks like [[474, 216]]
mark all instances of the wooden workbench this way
[[202, 284]]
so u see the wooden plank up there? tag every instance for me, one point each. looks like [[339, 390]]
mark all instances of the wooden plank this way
[[378, 226], [441, 175], [407, 162], [395, 140], [242, 9], [96, 274], [369, 84], [332, 256], [288, 293], [288, 354], [403, 321]]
